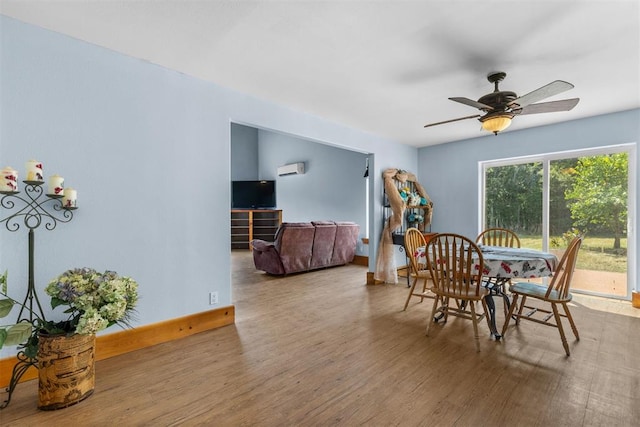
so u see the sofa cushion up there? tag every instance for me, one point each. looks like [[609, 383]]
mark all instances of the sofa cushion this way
[[294, 242], [278, 236], [304, 246], [323, 241], [344, 248]]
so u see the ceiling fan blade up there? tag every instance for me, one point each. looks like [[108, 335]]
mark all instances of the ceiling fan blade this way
[[549, 107], [452, 120], [541, 93], [472, 103]]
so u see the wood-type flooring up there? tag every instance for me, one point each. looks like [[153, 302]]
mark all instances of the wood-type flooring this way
[[324, 349]]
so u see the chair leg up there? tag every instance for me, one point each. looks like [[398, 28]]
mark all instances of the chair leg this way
[[433, 313], [486, 311], [573, 325], [445, 303], [424, 285], [424, 289], [474, 319], [512, 308], [524, 301], [415, 281], [560, 329], [506, 303]]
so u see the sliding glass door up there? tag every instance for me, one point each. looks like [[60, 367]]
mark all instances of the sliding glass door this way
[[550, 199], [513, 200]]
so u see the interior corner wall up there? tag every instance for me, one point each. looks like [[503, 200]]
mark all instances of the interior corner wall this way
[[148, 150], [327, 168], [332, 187], [244, 153]]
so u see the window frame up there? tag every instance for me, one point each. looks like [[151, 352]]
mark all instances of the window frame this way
[[546, 159]]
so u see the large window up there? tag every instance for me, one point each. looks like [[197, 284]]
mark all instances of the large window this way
[[549, 199]]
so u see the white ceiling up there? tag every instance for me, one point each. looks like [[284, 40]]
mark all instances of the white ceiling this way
[[386, 67]]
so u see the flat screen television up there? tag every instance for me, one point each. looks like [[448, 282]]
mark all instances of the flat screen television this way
[[253, 194]]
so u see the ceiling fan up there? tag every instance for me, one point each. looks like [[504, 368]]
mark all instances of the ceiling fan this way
[[500, 107]]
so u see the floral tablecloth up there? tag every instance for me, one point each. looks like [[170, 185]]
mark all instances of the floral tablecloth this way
[[510, 263], [517, 262]]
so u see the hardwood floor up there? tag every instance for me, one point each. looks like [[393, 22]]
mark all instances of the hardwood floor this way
[[321, 348]]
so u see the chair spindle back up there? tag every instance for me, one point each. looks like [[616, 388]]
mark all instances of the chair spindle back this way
[[561, 281], [498, 237], [453, 261], [413, 239]]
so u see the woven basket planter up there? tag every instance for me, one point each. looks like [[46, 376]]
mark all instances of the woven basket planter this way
[[65, 369]]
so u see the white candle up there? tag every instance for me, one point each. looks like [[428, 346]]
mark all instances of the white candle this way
[[70, 198], [56, 185], [34, 171], [9, 179]]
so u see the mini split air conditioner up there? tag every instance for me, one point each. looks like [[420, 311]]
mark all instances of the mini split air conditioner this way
[[292, 169]]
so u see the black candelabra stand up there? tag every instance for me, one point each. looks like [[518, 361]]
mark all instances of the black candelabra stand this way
[[31, 210]]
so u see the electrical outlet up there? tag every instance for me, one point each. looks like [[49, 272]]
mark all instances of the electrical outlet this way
[[213, 298]]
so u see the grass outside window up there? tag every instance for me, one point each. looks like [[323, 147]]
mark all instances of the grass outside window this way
[[596, 253]]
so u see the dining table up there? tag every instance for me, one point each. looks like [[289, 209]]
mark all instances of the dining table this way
[[501, 265]]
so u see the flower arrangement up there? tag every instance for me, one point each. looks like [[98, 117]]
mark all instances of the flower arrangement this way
[[413, 217], [411, 198], [95, 300]]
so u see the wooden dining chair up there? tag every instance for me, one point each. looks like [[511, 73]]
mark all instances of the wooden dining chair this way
[[557, 293], [498, 237], [452, 260], [414, 239]]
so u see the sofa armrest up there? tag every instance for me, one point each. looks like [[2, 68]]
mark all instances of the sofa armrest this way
[[261, 245], [266, 257]]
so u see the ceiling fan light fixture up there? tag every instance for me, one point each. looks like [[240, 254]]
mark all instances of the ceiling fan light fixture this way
[[497, 123], [500, 107]]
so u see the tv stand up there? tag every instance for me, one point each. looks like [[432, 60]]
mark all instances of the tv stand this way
[[249, 224]]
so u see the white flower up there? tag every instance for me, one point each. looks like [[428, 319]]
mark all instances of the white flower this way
[[91, 322], [95, 300]]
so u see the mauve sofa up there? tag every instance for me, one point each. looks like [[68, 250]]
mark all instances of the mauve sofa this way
[[305, 246]]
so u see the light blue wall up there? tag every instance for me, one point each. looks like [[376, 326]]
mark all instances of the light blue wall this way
[[332, 187], [148, 151], [244, 153], [450, 171]]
